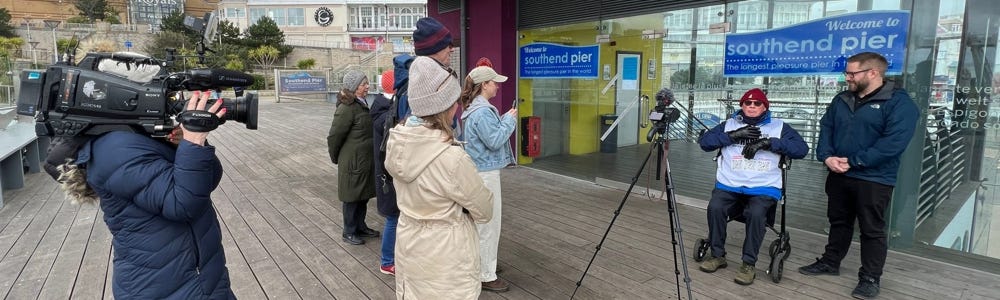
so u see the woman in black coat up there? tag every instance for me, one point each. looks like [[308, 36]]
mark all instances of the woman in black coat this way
[[350, 146]]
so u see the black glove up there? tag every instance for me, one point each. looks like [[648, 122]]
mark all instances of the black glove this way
[[750, 150], [744, 133]]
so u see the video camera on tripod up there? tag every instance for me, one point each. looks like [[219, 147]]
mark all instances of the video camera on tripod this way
[[126, 91], [662, 114]]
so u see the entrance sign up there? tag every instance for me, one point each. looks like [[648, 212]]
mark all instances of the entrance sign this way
[[820, 46], [548, 60], [302, 82]]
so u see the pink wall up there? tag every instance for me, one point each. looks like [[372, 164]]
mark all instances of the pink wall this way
[[492, 34]]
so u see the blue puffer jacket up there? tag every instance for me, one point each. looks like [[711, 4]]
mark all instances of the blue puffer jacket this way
[[871, 134], [156, 202], [487, 134]]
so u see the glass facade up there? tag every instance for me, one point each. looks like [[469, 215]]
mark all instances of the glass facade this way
[[377, 17], [153, 12], [947, 190], [292, 16]]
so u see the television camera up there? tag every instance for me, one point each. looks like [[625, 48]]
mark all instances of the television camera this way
[[127, 91], [662, 114]]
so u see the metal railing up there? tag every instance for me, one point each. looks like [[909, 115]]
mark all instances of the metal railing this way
[[7, 96], [317, 44], [372, 28]]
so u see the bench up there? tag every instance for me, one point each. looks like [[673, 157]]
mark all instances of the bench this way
[[19, 145]]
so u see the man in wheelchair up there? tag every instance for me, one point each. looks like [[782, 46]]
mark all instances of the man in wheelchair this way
[[748, 179]]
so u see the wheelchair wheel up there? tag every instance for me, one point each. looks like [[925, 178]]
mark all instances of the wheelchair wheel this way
[[700, 249], [780, 250], [778, 270]]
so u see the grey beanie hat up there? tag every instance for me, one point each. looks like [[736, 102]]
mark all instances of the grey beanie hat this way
[[353, 79], [432, 89]]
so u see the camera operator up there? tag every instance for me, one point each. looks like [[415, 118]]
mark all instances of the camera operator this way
[[155, 195], [748, 179]]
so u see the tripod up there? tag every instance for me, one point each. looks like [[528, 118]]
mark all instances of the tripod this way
[[660, 143]]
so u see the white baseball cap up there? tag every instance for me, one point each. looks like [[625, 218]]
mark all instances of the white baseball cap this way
[[483, 74]]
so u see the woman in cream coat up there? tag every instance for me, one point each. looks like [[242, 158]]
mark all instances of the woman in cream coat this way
[[439, 193]]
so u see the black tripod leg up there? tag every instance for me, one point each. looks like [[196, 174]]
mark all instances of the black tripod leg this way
[[675, 225], [615, 217]]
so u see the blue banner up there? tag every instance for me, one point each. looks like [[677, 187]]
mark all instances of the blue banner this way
[[548, 60], [819, 47], [303, 82]]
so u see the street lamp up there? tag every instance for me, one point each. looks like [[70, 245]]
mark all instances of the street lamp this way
[[55, 46], [34, 55]]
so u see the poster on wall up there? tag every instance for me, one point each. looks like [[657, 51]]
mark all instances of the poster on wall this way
[[366, 42], [820, 46], [548, 60]]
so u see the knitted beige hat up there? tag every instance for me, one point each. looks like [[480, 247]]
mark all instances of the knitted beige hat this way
[[432, 89]]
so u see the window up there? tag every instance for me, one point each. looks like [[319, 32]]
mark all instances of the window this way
[[256, 14], [405, 17], [278, 15], [235, 12], [366, 19], [296, 17]]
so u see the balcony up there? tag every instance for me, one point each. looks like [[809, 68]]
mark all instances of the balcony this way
[[356, 27]]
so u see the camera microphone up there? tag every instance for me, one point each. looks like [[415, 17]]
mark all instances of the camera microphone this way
[[665, 97], [211, 78]]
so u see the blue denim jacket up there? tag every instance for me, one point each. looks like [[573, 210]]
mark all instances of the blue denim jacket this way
[[487, 135]]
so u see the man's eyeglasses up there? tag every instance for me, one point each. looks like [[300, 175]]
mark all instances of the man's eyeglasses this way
[[753, 103], [855, 73]]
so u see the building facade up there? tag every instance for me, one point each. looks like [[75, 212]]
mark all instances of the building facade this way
[[131, 11], [944, 201], [361, 25]]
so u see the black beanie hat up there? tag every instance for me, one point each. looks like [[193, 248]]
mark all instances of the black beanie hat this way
[[430, 37]]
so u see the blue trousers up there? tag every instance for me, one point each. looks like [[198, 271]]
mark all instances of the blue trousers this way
[[389, 241], [753, 209]]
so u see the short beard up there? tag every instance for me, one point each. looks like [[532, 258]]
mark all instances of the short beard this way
[[859, 86]]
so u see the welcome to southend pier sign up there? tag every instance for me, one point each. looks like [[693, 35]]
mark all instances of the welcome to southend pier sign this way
[[820, 46], [548, 60]]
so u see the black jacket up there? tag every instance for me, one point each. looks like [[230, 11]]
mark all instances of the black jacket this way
[[872, 134], [384, 191]]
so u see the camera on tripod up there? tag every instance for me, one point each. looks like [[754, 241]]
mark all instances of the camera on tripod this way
[[125, 91], [662, 114]]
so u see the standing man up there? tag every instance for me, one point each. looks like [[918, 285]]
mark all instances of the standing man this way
[[433, 40], [862, 134]]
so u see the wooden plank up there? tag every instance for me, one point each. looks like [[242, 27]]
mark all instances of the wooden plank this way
[[242, 280], [358, 263], [281, 224], [61, 278], [266, 271], [300, 216], [93, 279], [16, 259]]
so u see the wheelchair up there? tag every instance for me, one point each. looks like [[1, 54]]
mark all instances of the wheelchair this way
[[780, 248]]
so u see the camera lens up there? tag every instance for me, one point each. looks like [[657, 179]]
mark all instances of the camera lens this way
[[241, 109]]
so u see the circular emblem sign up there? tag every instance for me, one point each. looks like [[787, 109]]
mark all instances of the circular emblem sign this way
[[323, 16]]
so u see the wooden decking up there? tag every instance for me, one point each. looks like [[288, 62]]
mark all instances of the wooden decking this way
[[281, 232]]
